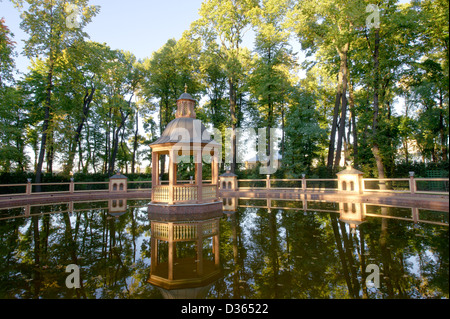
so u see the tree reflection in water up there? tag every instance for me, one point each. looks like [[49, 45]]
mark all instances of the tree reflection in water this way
[[267, 249]]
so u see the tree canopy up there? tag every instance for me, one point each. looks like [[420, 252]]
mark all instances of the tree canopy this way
[[375, 95]]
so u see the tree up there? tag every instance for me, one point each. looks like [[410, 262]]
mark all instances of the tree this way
[[429, 79], [7, 53], [328, 29], [14, 122], [46, 23], [166, 73], [214, 81], [274, 65], [304, 136], [121, 82], [398, 25], [221, 27], [12, 118], [82, 68]]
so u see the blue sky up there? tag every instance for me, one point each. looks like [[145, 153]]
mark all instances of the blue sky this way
[[138, 26]]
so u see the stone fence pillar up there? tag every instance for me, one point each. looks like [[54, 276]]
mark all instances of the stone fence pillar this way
[[228, 181], [350, 180], [118, 183]]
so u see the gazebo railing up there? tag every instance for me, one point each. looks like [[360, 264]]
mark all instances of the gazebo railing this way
[[160, 193], [209, 192], [184, 193], [184, 231]]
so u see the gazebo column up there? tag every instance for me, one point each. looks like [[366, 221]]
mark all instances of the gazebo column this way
[[154, 254], [216, 250], [155, 171], [199, 175], [215, 168], [172, 174]]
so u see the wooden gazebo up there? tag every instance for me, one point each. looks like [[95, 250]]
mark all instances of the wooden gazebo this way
[[185, 135]]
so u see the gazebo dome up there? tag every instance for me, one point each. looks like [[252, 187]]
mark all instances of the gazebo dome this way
[[186, 96], [185, 122], [178, 126]]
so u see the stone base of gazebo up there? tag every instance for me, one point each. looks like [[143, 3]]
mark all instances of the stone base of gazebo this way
[[162, 211]]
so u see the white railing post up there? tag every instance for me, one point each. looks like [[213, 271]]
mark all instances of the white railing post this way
[[28, 189], [412, 183], [304, 182], [267, 181], [71, 186]]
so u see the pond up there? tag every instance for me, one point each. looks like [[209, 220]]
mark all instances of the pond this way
[[254, 249]]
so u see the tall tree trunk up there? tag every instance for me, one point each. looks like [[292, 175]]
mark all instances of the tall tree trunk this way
[[442, 128], [135, 143], [233, 123], [80, 156], [270, 147], [45, 125], [50, 150], [270, 115], [124, 149], [354, 130], [107, 143], [337, 104], [88, 97], [282, 132], [375, 147], [115, 146], [341, 131]]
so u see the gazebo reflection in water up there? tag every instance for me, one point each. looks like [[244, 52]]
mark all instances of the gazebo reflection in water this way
[[185, 254]]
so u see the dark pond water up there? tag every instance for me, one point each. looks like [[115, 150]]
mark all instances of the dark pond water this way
[[256, 249]]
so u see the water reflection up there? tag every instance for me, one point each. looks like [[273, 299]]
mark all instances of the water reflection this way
[[185, 257], [292, 249], [117, 207], [353, 214], [255, 248]]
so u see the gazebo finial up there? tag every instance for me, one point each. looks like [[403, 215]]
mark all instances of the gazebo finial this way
[[185, 88]]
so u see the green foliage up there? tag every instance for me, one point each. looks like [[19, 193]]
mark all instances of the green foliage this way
[[103, 107], [7, 53], [304, 136]]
